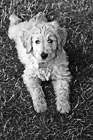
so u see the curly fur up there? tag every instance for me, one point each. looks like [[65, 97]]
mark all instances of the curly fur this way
[[33, 38]]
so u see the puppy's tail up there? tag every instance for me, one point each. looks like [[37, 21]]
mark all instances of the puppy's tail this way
[[14, 19], [15, 27]]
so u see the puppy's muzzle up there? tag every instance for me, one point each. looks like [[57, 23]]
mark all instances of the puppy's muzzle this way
[[44, 55]]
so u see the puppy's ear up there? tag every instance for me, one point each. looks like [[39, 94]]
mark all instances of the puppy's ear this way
[[27, 42], [62, 36], [60, 33]]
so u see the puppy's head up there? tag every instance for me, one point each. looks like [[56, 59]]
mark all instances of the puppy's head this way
[[45, 40]]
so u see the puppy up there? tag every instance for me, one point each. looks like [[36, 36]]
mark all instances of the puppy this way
[[39, 44]]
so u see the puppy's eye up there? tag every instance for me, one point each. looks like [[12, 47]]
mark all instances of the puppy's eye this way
[[37, 41], [50, 41]]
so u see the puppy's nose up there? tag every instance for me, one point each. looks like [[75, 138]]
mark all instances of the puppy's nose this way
[[44, 55]]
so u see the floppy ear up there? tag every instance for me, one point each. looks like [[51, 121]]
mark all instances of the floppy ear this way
[[60, 33], [62, 36], [27, 42]]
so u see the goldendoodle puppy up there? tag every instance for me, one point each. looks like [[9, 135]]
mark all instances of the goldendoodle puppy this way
[[39, 44]]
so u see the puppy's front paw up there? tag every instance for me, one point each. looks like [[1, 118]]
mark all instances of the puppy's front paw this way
[[63, 106], [40, 106]]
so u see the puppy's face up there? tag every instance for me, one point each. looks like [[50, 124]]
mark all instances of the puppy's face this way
[[44, 44]]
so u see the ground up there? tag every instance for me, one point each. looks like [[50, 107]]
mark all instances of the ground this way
[[18, 120]]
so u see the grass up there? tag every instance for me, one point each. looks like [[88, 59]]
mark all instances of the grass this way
[[18, 120]]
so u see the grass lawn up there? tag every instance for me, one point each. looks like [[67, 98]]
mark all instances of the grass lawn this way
[[18, 119]]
